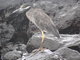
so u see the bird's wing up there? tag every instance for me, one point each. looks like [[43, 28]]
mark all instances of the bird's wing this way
[[43, 21]]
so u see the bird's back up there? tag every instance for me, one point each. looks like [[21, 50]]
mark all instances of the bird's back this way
[[42, 21]]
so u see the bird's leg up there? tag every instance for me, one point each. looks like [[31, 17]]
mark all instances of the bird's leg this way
[[43, 37], [41, 45]]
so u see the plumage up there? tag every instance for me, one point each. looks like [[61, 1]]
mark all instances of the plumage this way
[[42, 21]]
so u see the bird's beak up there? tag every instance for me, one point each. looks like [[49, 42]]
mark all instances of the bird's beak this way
[[27, 7], [21, 9], [15, 11]]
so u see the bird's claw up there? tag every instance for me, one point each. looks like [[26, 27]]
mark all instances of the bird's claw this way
[[37, 50]]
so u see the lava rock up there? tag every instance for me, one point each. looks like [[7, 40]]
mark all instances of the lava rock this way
[[22, 47], [77, 48], [12, 55], [68, 54], [41, 55], [17, 20], [6, 32], [10, 47], [50, 42], [53, 43], [70, 40], [60, 54], [20, 37]]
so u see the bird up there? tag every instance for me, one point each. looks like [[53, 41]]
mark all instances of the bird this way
[[41, 20]]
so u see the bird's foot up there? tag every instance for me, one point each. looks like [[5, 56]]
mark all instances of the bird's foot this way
[[39, 49], [34, 52]]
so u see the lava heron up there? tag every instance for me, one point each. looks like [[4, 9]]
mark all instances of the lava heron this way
[[42, 21]]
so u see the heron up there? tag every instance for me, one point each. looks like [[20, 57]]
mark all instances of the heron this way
[[41, 20]]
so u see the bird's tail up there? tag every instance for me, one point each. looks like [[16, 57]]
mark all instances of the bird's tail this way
[[55, 31]]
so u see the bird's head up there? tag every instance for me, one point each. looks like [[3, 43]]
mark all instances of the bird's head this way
[[23, 7]]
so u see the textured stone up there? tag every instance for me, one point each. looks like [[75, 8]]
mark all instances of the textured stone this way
[[68, 54], [70, 40], [6, 32], [53, 43], [50, 42], [12, 55], [64, 13], [60, 54], [41, 55]]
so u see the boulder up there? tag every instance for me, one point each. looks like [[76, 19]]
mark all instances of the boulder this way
[[11, 46], [6, 32], [50, 42], [60, 54], [41, 55], [20, 37], [68, 54], [17, 20], [12, 55], [70, 40]]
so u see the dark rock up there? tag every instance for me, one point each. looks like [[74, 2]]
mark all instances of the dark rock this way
[[70, 40], [0, 52], [68, 54], [19, 37], [22, 47], [10, 47], [41, 55], [50, 42], [77, 48], [53, 43], [17, 20], [60, 54], [64, 13], [6, 32], [12, 55]]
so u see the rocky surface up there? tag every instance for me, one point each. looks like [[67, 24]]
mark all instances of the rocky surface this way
[[59, 48], [70, 40], [50, 42], [16, 30], [60, 54], [68, 54], [12, 55], [6, 32], [12, 50], [41, 55]]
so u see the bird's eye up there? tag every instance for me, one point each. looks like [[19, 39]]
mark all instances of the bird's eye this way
[[23, 6]]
